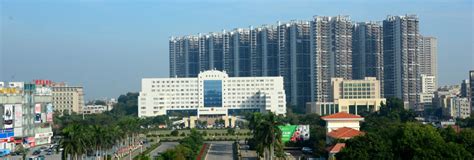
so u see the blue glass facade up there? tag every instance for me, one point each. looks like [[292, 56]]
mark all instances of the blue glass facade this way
[[212, 93]]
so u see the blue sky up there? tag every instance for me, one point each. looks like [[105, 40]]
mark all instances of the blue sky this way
[[109, 45]]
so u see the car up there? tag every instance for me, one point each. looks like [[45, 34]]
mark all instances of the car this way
[[37, 152], [49, 153], [306, 150], [43, 147], [41, 157]]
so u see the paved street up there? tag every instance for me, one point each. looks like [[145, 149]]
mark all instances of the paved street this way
[[162, 148], [54, 156], [220, 150]]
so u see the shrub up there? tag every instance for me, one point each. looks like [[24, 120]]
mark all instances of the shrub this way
[[183, 134], [175, 133]]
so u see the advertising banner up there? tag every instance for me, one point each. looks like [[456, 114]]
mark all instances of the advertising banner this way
[[18, 115], [8, 116], [16, 85], [38, 113], [49, 108], [49, 112], [38, 108], [49, 117], [294, 133], [38, 118]]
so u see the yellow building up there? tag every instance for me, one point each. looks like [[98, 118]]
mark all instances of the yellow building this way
[[351, 96]]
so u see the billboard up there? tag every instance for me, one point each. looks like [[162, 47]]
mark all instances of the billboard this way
[[49, 112], [38, 113], [16, 85], [8, 116], [294, 133], [43, 91], [18, 115]]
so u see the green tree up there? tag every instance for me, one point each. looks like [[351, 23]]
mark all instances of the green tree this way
[[267, 135], [127, 104], [466, 139]]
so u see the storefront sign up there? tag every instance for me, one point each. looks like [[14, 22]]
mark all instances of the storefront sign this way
[[44, 135], [9, 91], [43, 91]]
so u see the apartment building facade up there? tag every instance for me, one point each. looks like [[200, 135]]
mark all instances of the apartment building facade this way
[[67, 99], [367, 51], [400, 49]]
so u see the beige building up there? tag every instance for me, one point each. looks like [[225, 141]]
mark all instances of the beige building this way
[[351, 96], [68, 99]]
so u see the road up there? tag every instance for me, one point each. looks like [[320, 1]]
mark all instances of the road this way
[[162, 148], [220, 150], [54, 156]]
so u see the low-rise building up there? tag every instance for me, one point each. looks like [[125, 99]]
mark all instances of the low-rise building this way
[[95, 109], [212, 94], [27, 114], [341, 125], [447, 98], [351, 96], [459, 107]]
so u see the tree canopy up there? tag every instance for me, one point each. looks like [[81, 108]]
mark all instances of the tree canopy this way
[[393, 133]]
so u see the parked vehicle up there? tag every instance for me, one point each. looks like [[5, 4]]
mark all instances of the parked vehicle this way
[[307, 150], [37, 152]]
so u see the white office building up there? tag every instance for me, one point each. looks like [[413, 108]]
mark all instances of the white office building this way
[[212, 94]]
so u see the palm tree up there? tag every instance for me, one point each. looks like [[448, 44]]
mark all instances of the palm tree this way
[[74, 141], [98, 138], [267, 134]]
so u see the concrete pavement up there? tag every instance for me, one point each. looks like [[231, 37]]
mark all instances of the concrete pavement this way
[[220, 150], [162, 148]]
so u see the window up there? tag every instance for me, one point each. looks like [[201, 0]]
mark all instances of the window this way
[[212, 93]]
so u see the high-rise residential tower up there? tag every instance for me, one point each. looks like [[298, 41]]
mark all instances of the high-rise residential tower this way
[[465, 86], [427, 57], [400, 49], [367, 51], [471, 91], [294, 62], [281, 50], [331, 54]]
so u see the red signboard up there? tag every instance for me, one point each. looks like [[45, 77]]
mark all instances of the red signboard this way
[[43, 82]]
